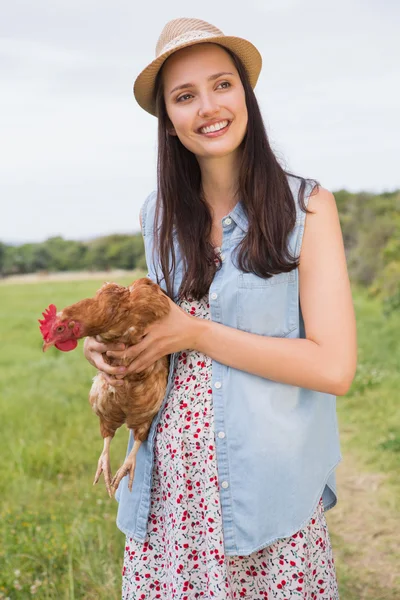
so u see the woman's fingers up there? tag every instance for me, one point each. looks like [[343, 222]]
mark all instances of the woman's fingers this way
[[112, 380], [94, 351], [102, 366], [97, 345], [131, 351]]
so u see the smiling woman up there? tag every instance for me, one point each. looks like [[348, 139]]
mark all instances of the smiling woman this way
[[212, 126], [232, 484], [212, 107]]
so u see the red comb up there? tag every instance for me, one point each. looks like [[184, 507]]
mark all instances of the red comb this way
[[49, 316]]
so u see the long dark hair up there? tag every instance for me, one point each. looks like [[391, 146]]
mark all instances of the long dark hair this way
[[263, 188]]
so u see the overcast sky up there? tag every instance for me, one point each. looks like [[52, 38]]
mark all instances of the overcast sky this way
[[78, 155]]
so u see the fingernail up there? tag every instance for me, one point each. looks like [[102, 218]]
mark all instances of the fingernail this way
[[122, 369], [121, 346]]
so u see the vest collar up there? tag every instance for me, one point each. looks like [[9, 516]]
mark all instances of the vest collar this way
[[239, 216]]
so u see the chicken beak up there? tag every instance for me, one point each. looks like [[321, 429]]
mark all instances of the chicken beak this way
[[47, 345]]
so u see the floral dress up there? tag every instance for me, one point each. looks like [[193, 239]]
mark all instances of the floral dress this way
[[183, 557]]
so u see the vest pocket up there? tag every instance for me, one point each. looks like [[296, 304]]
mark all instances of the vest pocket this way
[[267, 306]]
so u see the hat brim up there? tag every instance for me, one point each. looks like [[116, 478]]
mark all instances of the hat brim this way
[[143, 88]]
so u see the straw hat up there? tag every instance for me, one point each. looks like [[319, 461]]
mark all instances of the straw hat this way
[[180, 33]]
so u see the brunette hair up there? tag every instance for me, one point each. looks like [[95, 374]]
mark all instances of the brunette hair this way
[[186, 218]]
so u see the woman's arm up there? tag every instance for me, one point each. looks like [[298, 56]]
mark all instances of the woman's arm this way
[[299, 362], [324, 361]]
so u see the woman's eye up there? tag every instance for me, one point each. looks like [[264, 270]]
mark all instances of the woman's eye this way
[[184, 97], [226, 84]]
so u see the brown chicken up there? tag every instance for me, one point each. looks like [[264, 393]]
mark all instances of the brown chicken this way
[[116, 313]]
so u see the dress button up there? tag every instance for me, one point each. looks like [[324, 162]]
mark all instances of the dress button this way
[[225, 484], [217, 384], [227, 221], [214, 296], [221, 434]]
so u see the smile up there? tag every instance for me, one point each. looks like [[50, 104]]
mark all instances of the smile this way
[[215, 129]]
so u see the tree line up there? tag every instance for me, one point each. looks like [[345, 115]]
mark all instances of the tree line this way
[[371, 232], [117, 251]]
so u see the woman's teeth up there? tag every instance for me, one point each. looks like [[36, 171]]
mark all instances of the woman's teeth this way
[[214, 127]]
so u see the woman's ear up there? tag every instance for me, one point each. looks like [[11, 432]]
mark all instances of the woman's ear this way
[[170, 128]]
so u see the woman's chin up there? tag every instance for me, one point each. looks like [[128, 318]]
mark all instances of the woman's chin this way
[[217, 150]]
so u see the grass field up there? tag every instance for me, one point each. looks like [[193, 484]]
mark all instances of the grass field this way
[[58, 538]]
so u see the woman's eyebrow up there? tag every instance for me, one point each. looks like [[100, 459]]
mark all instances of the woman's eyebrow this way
[[190, 85]]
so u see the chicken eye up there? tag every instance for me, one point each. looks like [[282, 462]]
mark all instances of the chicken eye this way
[[60, 329]]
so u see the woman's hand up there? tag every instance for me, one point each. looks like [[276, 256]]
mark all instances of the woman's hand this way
[[177, 331], [94, 350]]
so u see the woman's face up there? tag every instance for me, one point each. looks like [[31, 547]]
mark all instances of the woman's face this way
[[205, 100]]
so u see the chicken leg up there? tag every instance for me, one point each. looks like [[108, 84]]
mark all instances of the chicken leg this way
[[103, 465], [128, 467]]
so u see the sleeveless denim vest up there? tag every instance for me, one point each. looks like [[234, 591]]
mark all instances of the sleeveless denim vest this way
[[277, 445]]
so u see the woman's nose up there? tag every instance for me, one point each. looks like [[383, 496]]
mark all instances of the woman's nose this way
[[208, 106]]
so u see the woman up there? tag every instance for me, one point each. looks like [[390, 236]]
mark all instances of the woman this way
[[231, 486]]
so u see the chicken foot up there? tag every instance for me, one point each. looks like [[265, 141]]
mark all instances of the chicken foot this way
[[128, 467], [103, 465]]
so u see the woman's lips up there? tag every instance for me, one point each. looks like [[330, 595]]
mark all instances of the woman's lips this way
[[216, 133]]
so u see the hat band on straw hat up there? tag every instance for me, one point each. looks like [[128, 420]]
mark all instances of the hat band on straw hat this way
[[186, 37]]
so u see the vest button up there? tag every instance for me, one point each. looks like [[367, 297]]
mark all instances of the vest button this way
[[221, 434], [225, 484], [214, 296], [217, 384]]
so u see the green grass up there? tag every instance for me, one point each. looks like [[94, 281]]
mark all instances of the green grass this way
[[370, 413], [58, 538], [55, 527]]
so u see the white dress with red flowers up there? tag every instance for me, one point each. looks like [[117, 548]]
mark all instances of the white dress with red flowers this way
[[183, 555]]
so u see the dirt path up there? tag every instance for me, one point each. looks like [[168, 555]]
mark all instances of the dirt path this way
[[365, 534]]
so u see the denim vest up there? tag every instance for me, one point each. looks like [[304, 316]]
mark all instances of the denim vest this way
[[277, 445]]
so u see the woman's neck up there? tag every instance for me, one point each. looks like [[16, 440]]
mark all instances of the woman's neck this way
[[219, 180]]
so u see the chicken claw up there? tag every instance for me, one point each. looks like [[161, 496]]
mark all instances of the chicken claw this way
[[128, 467], [103, 466]]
